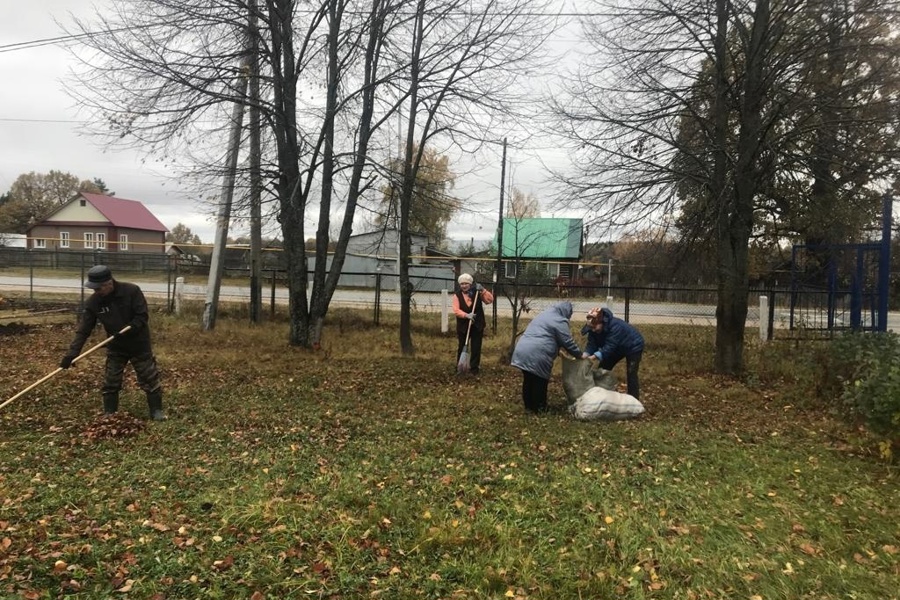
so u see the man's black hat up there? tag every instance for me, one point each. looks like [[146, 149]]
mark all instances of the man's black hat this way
[[97, 276]]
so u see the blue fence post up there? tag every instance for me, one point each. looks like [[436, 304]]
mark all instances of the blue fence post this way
[[884, 263]]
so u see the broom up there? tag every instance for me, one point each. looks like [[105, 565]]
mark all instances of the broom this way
[[462, 367]]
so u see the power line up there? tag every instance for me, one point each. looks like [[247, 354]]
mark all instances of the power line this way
[[11, 120], [65, 39], [60, 40]]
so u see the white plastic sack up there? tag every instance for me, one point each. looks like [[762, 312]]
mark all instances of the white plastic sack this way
[[598, 404], [586, 388]]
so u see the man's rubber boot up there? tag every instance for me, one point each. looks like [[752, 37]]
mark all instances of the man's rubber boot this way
[[154, 402], [110, 403]]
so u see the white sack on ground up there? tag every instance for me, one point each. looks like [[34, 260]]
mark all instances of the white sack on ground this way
[[590, 401]]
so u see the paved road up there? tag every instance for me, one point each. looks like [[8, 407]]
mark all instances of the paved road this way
[[639, 312], [424, 301]]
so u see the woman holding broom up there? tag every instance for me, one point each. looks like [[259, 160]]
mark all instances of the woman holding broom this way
[[468, 306]]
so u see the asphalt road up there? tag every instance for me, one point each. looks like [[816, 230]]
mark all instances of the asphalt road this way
[[639, 312]]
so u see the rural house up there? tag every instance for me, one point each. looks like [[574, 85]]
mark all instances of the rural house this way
[[546, 245], [99, 222]]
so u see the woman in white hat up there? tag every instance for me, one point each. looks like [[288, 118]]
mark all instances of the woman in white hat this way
[[467, 310]]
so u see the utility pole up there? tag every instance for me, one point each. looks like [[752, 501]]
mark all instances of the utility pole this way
[[217, 262], [499, 267], [255, 172]]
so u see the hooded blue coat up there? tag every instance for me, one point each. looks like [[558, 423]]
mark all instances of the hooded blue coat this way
[[544, 336], [617, 340]]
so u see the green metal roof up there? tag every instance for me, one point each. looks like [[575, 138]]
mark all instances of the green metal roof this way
[[541, 238]]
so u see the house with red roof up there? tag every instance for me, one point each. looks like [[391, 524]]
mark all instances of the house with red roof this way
[[99, 222]]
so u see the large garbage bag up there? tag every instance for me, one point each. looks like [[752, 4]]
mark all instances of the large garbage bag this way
[[592, 393]]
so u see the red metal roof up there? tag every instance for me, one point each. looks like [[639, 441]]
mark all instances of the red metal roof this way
[[124, 213]]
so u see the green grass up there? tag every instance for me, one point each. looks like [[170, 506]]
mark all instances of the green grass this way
[[354, 472]]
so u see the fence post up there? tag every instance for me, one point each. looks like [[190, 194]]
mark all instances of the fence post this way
[[763, 318], [177, 294], [771, 315], [377, 295], [444, 311], [272, 302], [170, 293], [627, 304], [82, 281], [30, 274]]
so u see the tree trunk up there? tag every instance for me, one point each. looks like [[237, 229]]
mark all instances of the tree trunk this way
[[736, 223], [406, 195]]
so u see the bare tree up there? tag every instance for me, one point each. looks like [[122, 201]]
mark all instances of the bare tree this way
[[465, 59], [163, 74], [732, 70], [519, 241]]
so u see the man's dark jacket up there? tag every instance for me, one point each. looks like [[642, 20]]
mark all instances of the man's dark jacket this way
[[125, 305]]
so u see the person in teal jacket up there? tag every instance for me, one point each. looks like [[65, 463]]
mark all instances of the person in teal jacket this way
[[609, 340]]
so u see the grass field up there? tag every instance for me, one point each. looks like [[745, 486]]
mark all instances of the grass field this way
[[354, 472]]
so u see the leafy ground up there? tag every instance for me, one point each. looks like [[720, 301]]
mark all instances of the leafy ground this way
[[355, 473]]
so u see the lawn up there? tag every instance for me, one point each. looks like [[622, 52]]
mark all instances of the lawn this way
[[354, 472]]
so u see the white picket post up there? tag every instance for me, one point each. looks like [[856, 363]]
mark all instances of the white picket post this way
[[763, 318], [179, 292]]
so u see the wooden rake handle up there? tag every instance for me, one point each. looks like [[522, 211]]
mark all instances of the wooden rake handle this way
[[58, 369], [469, 330]]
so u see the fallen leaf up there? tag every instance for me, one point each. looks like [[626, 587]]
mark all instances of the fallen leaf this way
[[808, 549]]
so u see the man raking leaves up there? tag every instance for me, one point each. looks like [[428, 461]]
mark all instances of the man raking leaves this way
[[122, 310]]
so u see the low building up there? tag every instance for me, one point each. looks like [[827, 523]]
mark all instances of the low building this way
[[552, 247], [91, 222], [386, 244]]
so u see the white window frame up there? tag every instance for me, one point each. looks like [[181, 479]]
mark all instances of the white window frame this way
[[40, 243], [509, 269], [101, 241], [123, 241], [64, 239], [88, 240]]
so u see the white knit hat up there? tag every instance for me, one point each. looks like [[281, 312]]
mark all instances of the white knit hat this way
[[465, 278]]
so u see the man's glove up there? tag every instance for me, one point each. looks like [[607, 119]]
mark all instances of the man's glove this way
[[599, 356], [66, 362], [479, 287], [470, 316]]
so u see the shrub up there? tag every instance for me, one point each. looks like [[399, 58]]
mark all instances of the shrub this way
[[868, 368]]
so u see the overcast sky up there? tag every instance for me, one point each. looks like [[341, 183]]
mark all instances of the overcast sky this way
[[39, 131]]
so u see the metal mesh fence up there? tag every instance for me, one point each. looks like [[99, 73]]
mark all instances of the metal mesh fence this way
[[782, 314]]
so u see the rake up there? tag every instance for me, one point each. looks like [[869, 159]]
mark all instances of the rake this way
[[58, 369]]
